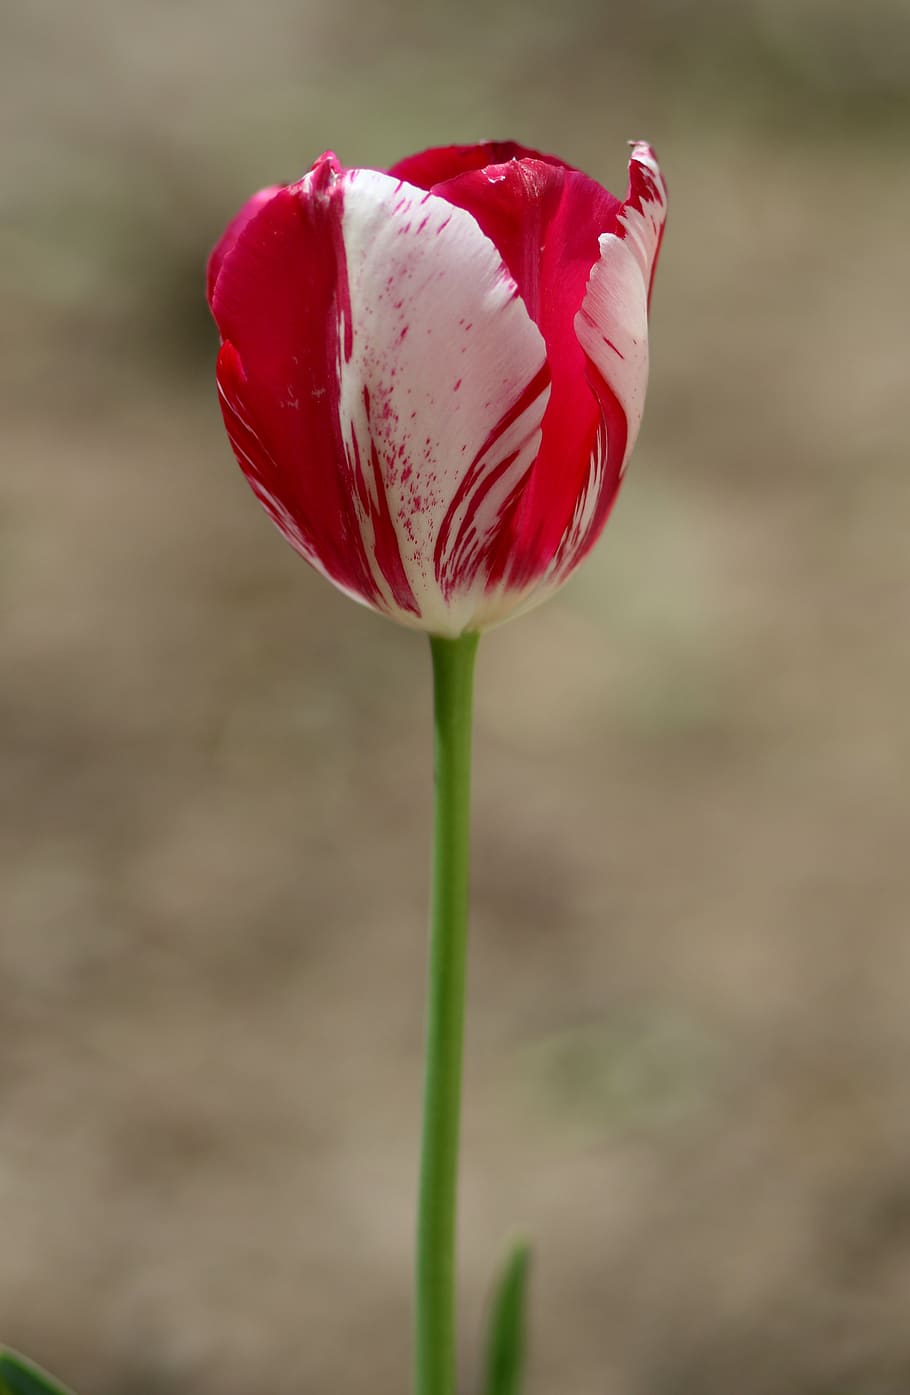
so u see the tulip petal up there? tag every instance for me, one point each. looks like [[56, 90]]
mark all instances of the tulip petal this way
[[612, 328], [433, 167], [546, 221], [383, 385], [278, 302], [232, 232], [584, 264]]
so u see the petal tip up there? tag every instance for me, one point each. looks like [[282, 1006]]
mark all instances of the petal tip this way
[[325, 173], [646, 180]]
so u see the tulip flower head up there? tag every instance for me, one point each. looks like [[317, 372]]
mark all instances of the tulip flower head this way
[[432, 377]]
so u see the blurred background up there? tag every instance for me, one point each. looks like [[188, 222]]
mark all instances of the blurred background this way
[[689, 1038]]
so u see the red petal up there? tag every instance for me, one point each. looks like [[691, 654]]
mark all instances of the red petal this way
[[545, 220], [280, 302], [444, 162], [231, 233]]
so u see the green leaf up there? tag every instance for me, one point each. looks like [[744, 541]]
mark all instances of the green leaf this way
[[505, 1349], [20, 1377]]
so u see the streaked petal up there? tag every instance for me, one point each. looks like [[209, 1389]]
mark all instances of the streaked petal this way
[[232, 232], [612, 324], [546, 221], [277, 302], [432, 167], [644, 213], [376, 347]]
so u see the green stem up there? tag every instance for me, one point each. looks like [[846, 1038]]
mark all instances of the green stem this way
[[434, 1349]]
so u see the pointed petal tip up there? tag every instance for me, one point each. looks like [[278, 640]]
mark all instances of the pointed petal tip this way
[[646, 179], [644, 212], [643, 153], [324, 172]]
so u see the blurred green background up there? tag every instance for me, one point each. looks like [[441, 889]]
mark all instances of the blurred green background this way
[[689, 1037]]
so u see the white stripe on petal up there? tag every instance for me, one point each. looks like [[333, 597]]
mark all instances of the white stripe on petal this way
[[645, 210], [585, 508], [442, 378], [612, 324]]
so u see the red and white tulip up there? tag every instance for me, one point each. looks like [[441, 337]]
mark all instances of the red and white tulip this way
[[432, 377]]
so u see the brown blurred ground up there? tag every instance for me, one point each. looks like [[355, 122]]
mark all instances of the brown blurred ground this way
[[689, 1035]]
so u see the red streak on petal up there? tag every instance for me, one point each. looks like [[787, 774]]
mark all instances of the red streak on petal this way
[[647, 194], [608, 456], [450, 558], [386, 547]]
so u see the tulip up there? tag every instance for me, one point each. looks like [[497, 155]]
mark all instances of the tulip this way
[[432, 377]]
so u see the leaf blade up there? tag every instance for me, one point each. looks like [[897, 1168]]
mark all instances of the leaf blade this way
[[21, 1377], [506, 1343]]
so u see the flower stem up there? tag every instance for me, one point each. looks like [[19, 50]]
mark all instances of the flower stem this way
[[434, 1349]]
